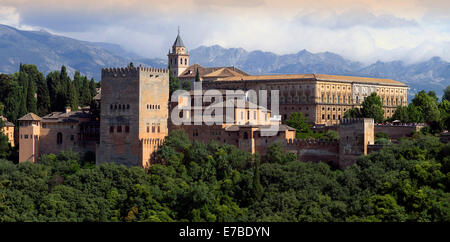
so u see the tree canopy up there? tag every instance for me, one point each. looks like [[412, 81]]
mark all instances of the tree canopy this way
[[192, 181]]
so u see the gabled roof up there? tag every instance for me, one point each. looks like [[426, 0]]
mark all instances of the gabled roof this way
[[203, 71], [30, 117], [222, 72], [64, 117], [178, 42]]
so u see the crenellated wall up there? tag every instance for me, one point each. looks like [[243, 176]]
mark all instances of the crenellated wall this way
[[134, 113], [314, 150]]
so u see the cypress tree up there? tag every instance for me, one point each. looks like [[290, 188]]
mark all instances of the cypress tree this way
[[23, 82], [54, 85], [10, 96], [43, 96], [31, 96], [78, 84], [93, 87], [197, 75], [85, 94]]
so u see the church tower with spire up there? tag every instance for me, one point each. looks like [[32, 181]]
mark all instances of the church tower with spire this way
[[178, 57]]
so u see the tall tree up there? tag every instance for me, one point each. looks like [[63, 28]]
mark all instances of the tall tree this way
[[401, 113], [85, 94], [446, 95], [43, 96], [427, 106], [10, 96], [93, 87], [174, 82], [372, 108], [78, 84], [197, 75], [300, 124], [23, 82]]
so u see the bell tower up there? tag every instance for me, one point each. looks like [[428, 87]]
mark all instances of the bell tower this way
[[178, 57]]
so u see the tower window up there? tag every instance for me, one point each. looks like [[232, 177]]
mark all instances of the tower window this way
[[59, 138]]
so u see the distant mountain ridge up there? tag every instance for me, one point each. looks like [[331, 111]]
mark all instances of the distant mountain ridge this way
[[49, 52], [433, 74]]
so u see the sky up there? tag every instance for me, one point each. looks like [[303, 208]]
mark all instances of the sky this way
[[364, 30]]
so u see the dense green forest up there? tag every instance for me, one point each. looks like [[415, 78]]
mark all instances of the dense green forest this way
[[423, 108], [30, 91], [408, 181]]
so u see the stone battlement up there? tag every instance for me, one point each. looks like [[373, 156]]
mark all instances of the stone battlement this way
[[323, 142], [400, 124], [123, 71], [349, 121]]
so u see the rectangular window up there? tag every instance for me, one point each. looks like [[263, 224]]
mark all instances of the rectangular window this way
[[153, 129], [254, 115], [119, 129], [127, 129], [111, 129], [148, 129], [26, 136]]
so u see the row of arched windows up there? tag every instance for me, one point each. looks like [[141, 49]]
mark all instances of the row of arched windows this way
[[153, 106], [173, 61], [335, 98], [155, 129], [119, 106], [119, 129]]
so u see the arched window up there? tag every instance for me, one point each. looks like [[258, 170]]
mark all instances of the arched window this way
[[185, 61], [59, 138]]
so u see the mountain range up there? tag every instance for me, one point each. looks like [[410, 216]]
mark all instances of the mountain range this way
[[49, 52]]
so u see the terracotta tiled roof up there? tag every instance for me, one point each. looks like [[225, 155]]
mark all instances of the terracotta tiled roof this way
[[319, 77], [223, 72], [69, 117], [203, 71], [30, 117]]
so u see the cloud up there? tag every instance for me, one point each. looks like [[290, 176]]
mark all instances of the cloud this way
[[363, 30], [9, 16], [351, 18]]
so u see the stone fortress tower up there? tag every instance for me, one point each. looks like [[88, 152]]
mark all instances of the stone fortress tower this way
[[134, 114], [29, 136], [179, 57]]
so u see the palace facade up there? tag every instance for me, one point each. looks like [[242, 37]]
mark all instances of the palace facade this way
[[136, 115], [323, 99]]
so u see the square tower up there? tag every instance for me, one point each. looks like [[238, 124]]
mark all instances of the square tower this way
[[134, 114], [29, 136]]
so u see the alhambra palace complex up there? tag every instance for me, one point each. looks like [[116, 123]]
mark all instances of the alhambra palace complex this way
[[135, 114]]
